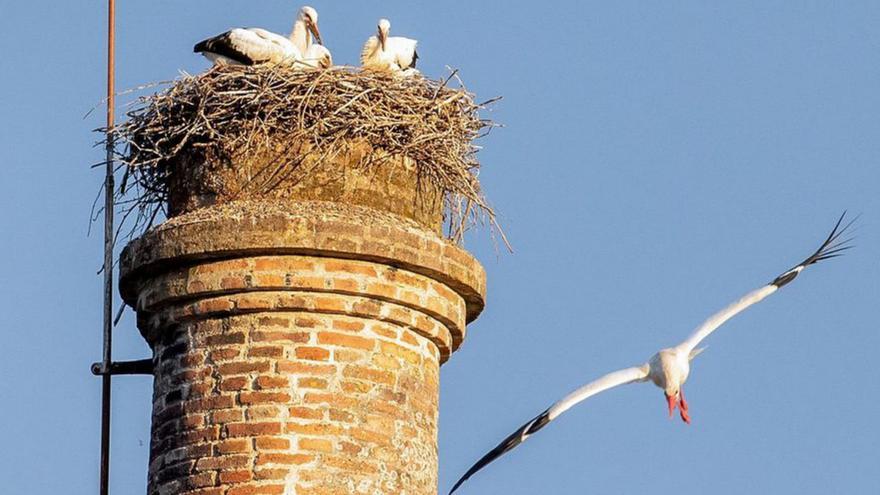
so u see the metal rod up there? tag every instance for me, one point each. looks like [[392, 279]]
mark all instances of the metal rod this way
[[139, 367], [109, 189]]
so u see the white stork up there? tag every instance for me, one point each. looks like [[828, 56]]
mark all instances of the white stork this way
[[305, 28], [392, 54], [318, 57], [249, 46], [668, 369]]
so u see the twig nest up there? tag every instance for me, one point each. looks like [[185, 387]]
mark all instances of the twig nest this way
[[403, 145]]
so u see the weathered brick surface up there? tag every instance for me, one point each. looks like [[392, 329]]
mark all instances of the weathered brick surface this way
[[281, 371]]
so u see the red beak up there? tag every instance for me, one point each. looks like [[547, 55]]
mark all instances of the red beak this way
[[672, 402]]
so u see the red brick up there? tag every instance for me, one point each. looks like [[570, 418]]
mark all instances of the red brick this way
[[272, 382], [341, 416], [348, 355], [315, 444], [223, 463], [273, 321], [254, 302], [234, 383], [242, 367], [369, 436], [311, 382], [306, 368], [320, 429], [253, 429], [269, 264], [337, 399], [349, 267], [348, 325], [209, 403], [232, 446], [288, 336], [263, 397], [305, 413], [353, 386], [305, 322], [270, 280], [409, 338], [369, 374], [227, 416], [263, 412], [200, 435], [333, 304], [256, 490], [270, 474], [224, 354], [346, 285], [312, 353], [343, 340], [271, 443], [277, 458], [350, 448], [214, 306], [236, 476], [267, 352], [401, 352], [233, 283]]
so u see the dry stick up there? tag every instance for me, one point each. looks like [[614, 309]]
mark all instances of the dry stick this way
[[229, 110]]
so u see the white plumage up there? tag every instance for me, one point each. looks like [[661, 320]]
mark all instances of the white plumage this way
[[249, 46], [669, 368], [392, 54], [318, 56]]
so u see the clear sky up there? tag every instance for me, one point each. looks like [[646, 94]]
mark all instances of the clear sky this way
[[659, 160]]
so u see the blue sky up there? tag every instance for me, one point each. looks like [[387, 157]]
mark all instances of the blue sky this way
[[659, 159]]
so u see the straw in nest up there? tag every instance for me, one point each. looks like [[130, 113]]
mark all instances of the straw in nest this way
[[230, 110]]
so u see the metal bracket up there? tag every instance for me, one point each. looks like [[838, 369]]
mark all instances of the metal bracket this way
[[139, 367]]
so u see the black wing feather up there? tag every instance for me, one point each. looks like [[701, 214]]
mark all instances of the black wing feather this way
[[518, 437], [222, 45], [831, 248]]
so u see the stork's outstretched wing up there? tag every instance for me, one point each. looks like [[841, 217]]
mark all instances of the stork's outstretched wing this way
[[832, 247], [611, 380]]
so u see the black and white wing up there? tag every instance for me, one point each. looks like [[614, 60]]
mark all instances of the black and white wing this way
[[248, 46], [611, 380], [832, 247]]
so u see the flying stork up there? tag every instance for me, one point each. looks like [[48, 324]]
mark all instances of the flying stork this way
[[668, 369]]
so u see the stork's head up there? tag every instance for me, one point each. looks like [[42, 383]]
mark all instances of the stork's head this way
[[323, 60], [384, 29], [310, 17]]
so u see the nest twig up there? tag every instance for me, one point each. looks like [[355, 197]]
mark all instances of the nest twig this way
[[229, 111]]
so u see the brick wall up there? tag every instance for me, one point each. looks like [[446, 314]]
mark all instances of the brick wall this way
[[297, 347]]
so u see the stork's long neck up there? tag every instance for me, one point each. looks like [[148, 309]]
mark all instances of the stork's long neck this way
[[300, 36]]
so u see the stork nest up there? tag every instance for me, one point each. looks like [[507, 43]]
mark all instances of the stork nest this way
[[230, 111]]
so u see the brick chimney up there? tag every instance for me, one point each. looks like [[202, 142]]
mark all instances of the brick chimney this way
[[297, 338]]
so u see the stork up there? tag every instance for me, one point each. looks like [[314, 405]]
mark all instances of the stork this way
[[315, 55], [249, 46], [318, 57], [668, 369], [390, 54], [305, 27]]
